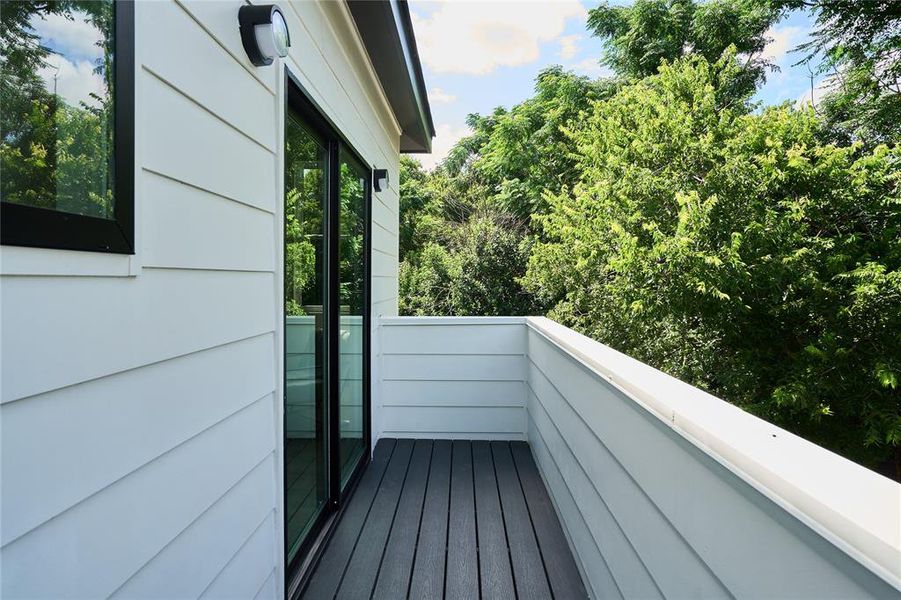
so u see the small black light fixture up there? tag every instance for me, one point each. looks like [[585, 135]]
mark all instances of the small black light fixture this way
[[264, 33], [380, 179]]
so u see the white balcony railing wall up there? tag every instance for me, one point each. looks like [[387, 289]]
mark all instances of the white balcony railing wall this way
[[664, 490]]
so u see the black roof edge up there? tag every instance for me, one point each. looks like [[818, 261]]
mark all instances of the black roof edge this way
[[386, 29]]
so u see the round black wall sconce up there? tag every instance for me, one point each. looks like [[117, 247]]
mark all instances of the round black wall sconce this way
[[264, 33]]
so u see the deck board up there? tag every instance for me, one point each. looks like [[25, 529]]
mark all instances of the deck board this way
[[325, 580], [462, 574], [495, 574], [431, 548], [456, 520], [397, 563], [562, 572], [525, 557], [364, 563]]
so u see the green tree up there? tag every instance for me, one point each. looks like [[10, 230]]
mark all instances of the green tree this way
[[420, 216], [426, 286], [736, 252], [857, 45], [641, 36], [526, 151], [475, 271]]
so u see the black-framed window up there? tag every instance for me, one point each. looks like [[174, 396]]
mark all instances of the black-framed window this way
[[67, 125]]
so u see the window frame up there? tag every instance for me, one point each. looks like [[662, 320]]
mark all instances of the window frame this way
[[22, 225]]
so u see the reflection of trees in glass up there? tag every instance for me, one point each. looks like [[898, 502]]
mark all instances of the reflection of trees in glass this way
[[304, 192], [350, 252], [54, 154]]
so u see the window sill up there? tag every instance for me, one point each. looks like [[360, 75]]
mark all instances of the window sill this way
[[20, 260]]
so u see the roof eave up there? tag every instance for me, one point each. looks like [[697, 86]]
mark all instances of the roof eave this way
[[386, 30]]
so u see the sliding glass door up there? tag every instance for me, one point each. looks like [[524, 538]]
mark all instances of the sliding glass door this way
[[326, 329], [306, 310], [354, 190]]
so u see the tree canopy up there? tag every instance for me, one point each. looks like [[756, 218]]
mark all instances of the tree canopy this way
[[733, 251], [643, 35], [752, 251], [859, 44]]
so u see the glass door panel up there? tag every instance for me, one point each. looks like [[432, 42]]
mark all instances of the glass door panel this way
[[353, 182], [326, 297], [306, 450]]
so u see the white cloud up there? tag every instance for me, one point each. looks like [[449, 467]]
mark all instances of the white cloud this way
[[75, 38], [591, 67], [782, 39], [439, 96], [569, 46], [476, 39], [75, 81], [445, 138]]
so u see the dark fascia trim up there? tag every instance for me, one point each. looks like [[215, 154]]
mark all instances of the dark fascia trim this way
[[401, 11], [386, 30]]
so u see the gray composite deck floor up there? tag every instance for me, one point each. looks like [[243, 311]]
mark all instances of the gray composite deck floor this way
[[448, 519]]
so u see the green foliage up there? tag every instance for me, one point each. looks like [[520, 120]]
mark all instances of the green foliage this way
[[420, 217], [300, 256], [525, 151], [304, 210], [660, 214], [475, 272], [426, 285], [465, 229], [735, 252], [643, 35], [859, 45], [52, 154]]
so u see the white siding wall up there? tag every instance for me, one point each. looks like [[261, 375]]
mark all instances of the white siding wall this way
[[140, 405], [453, 377], [664, 491], [668, 492]]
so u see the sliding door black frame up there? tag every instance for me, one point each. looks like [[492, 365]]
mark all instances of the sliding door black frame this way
[[298, 100]]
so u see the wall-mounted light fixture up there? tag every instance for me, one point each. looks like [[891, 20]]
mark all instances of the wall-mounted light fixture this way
[[264, 33], [380, 179]]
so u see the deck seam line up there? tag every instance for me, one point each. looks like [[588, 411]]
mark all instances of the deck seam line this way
[[366, 518], [532, 521], [500, 503], [425, 493], [400, 494], [450, 473], [475, 518]]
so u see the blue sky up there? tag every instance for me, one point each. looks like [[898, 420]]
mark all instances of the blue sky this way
[[480, 55], [77, 53]]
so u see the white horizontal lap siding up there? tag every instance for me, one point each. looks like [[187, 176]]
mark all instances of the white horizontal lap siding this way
[[452, 377], [98, 544], [653, 513], [138, 415]]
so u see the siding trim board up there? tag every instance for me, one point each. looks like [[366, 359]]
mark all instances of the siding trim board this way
[[712, 499]]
